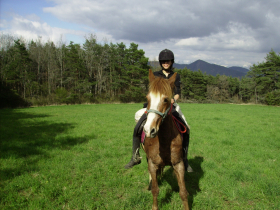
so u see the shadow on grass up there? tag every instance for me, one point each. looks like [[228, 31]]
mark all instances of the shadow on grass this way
[[24, 143], [191, 179]]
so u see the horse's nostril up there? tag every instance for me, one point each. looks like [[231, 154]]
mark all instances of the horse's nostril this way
[[153, 131]]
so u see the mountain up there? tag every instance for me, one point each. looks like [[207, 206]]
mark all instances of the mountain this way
[[208, 68], [237, 68], [213, 69]]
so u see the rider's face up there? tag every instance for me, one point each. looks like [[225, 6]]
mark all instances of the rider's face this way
[[166, 64]]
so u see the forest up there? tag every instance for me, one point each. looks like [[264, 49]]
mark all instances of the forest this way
[[44, 73]]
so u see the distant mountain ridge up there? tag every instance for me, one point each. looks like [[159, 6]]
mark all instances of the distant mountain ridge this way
[[208, 68], [237, 68]]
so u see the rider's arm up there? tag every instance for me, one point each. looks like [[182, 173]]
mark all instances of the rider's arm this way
[[177, 88]]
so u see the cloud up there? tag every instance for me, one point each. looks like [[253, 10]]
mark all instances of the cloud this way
[[223, 32], [154, 21], [236, 37], [31, 28]]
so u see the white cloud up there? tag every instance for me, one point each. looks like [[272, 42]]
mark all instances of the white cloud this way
[[237, 37], [192, 41], [31, 27], [224, 32]]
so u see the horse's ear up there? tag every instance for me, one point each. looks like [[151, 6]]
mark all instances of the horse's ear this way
[[172, 79], [151, 75]]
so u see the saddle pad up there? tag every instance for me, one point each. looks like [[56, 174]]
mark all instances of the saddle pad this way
[[143, 137]]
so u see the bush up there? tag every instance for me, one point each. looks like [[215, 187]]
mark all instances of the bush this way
[[61, 95], [126, 97], [135, 94], [72, 99], [10, 98], [273, 98], [88, 97]]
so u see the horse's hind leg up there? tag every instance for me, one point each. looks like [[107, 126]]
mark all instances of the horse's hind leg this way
[[155, 190], [179, 170]]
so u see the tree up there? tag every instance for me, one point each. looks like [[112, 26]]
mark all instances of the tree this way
[[61, 55], [246, 89], [16, 68], [36, 53], [135, 71], [233, 84], [265, 75], [75, 70], [98, 70], [90, 55], [199, 85], [223, 87], [186, 83]]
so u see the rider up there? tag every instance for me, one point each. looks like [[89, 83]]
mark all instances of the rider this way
[[166, 60]]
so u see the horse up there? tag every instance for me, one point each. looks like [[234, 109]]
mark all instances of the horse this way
[[163, 142]]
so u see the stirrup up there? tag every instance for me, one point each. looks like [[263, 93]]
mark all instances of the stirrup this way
[[132, 163], [135, 160]]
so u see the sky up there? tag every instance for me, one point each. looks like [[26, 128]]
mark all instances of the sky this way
[[224, 32]]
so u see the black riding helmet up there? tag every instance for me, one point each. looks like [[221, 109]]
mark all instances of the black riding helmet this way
[[165, 55]]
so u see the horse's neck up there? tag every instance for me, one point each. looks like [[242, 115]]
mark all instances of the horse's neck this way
[[167, 128]]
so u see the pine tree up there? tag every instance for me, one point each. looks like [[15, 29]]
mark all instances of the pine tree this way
[[17, 68], [266, 75], [75, 70]]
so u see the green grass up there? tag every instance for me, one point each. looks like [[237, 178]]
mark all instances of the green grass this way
[[73, 157]]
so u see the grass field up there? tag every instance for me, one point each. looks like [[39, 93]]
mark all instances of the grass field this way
[[73, 157]]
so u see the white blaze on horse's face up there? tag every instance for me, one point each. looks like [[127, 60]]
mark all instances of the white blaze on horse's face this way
[[151, 127]]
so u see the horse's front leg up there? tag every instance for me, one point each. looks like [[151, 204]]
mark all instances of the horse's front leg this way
[[179, 170], [150, 182], [155, 190]]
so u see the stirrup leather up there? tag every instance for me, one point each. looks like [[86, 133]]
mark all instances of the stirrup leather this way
[[136, 157]]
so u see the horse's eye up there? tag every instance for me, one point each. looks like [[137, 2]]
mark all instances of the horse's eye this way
[[165, 100]]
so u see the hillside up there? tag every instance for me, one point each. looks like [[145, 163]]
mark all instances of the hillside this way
[[237, 68], [208, 68]]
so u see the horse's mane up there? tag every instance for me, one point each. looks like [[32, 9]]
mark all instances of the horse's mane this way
[[161, 85]]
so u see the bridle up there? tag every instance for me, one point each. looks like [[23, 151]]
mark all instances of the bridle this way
[[163, 115], [167, 112]]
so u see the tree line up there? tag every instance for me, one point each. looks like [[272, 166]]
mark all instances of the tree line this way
[[45, 73], [94, 72], [260, 85]]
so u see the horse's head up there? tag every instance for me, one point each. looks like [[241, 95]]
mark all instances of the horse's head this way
[[159, 102]]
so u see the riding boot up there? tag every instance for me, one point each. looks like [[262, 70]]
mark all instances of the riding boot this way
[[186, 138], [135, 159]]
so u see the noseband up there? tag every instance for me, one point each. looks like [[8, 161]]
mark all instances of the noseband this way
[[163, 115]]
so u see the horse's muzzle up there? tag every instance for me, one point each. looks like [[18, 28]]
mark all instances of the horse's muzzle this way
[[151, 133]]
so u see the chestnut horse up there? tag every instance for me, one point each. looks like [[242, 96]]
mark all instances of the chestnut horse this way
[[163, 143]]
